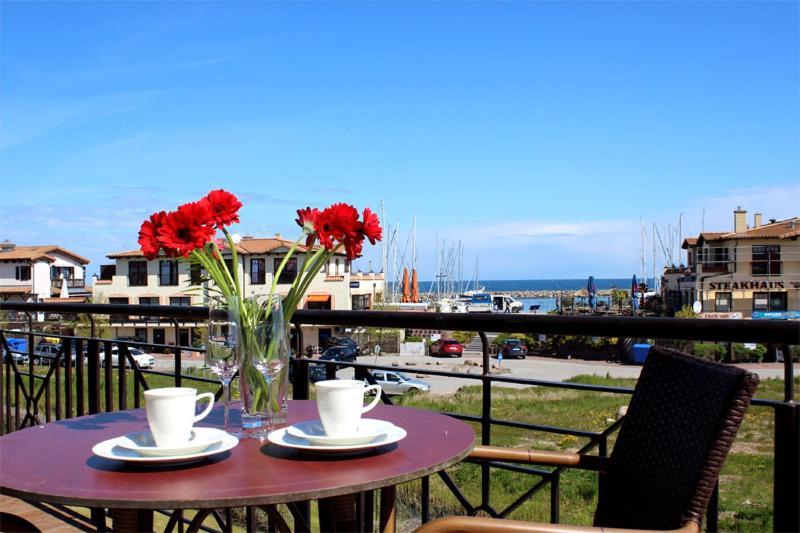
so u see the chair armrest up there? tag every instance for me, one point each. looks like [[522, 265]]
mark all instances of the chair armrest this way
[[521, 455], [479, 524]]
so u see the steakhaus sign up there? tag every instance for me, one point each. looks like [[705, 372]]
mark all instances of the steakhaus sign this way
[[728, 285]]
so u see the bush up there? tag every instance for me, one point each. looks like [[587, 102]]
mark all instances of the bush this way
[[746, 355], [709, 350]]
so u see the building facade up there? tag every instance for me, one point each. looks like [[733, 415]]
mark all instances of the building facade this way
[[751, 272], [132, 279], [39, 273]]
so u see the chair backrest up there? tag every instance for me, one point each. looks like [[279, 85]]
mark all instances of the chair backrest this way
[[680, 425]]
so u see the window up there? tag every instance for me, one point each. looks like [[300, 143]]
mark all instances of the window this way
[[148, 300], [347, 267], [57, 272], [229, 264], [257, 271], [168, 273], [723, 302], [140, 334], [195, 275], [180, 300], [767, 260], [760, 301], [777, 301], [360, 302], [108, 271], [137, 273], [23, 273], [118, 318], [289, 270]]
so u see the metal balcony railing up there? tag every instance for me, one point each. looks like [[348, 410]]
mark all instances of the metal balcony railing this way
[[75, 389]]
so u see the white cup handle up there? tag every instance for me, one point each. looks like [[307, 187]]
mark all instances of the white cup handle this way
[[210, 396], [377, 389]]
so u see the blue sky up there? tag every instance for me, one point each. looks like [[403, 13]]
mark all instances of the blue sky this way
[[537, 133]]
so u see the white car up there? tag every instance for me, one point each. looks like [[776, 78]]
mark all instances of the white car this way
[[143, 359], [392, 382]]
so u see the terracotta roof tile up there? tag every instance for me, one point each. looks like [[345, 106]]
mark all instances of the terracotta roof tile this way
[[782, 229], [250, 246], [34, 253], [15, 290]]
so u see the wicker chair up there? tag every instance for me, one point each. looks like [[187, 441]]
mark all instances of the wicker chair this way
[[680, 425]]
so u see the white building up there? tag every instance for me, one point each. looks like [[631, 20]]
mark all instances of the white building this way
[[36, 273], [750, 272], [163, 281]]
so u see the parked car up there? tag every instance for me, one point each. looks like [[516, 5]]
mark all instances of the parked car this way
[[142, 359], [447, 347], [514, 348], [346, 354], [331, 342], [45, 353], [315, 373], [398, 383]]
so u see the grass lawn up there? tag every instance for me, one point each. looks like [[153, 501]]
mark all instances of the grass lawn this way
[[746, 479]]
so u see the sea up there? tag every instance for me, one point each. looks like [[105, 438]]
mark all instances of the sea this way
[[540, 305]]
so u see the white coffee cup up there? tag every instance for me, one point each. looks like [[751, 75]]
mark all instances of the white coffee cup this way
[[170, 413], [340, 403]]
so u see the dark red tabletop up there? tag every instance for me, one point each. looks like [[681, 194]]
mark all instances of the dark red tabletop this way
[[54, 463]]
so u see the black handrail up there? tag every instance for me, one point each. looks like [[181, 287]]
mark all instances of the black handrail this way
[[764, 331]]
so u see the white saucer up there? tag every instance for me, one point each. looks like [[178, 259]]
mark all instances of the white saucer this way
[[144, 444], [111, 449], [281, 437], [369, 429]]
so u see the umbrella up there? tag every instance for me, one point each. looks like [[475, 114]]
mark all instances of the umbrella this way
[[591, 288], [414, 286], [406, 291], [634, 293], [64, 289]]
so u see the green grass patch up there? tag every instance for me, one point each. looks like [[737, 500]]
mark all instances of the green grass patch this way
[[746, 480]]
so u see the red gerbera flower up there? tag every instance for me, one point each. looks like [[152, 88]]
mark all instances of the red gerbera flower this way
[[184, 230], [371, 226], [148, 235], [352, 246], [224, 208], [307, 219], [340, 220]]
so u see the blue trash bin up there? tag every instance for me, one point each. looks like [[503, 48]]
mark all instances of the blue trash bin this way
[[639, 353]]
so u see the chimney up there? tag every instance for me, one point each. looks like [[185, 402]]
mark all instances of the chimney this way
[[278, 236], [7, 246], [739, 220], [756, 220]]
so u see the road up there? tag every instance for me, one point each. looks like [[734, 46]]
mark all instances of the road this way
[[541, 368]]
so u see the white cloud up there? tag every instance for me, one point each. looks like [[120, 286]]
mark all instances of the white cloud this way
[[23, 121], [529, 249]]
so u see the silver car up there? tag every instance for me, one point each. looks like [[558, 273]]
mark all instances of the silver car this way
[[393, 382]]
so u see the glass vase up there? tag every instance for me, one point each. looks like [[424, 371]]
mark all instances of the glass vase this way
[[263, 361]]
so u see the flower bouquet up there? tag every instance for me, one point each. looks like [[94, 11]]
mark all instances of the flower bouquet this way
[[261, 323]]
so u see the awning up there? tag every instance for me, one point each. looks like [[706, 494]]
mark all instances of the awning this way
[[318, 298]]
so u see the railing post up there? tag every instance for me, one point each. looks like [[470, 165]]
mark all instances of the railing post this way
[[787, 467], [178, 356], [486, 417], [30, 408], [94, 368]]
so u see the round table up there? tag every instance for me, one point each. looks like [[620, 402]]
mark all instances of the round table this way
[[54, 463]]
